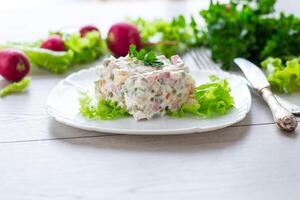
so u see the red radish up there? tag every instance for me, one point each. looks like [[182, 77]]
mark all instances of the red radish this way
[[14, 65], [54, 43], [121, 36], [85, 29]]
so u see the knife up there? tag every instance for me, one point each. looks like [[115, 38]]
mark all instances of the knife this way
[[284, 119], [291, 107]]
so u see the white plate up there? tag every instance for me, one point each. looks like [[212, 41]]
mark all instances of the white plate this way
[[62, 104]]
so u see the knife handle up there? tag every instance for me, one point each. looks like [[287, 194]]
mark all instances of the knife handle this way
[[282, 117]]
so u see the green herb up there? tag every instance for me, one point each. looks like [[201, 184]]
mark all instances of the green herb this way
[[283, 78], [247, 29], [210, 99], [103, 109], [148, 59], [15, 87], [284, 40], [169, 37]]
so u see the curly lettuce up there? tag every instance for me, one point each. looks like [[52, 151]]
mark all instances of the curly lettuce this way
[[15, 87], [211, 99], [284, 78], [54, 61], [103, 109], [86, 49]]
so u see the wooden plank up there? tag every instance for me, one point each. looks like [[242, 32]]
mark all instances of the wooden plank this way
[[257, 162]]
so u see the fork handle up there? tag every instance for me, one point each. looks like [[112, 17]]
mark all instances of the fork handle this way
[[284, 119]]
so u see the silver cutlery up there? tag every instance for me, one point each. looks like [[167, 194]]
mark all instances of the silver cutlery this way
[[282, 117], [202, 58]]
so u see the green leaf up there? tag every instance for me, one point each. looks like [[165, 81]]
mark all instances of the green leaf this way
[[56, 62], [132, 51], [210, 99], [245, 28], [214, 78], [102, 109], [283, 78], [15, 87], [148, 59], [86, 49]]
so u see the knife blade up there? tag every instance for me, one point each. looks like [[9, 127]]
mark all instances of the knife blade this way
[[284, 119], [254, 75]]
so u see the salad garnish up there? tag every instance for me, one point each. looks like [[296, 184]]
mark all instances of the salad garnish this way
[[283, 78], [103, 109], [211, 99], [147, 58], [15, 87]]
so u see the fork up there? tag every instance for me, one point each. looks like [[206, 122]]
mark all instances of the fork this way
[[203, 61]]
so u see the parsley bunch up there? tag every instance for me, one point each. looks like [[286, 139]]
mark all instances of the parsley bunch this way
[[148, 59], [248, 29]]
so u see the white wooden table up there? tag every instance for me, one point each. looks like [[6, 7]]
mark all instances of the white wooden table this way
[[42, 159]]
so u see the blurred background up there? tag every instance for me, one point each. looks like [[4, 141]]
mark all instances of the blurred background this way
[[34, 18]]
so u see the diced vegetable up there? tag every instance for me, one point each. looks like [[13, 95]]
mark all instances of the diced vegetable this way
[[15, 87], [211, 99], [14, 65]]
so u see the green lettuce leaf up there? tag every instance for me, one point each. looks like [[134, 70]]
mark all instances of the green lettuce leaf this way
[[86, 49], [15, 87], [211, 99], [54, 61], [283, 78], [103, 109]]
